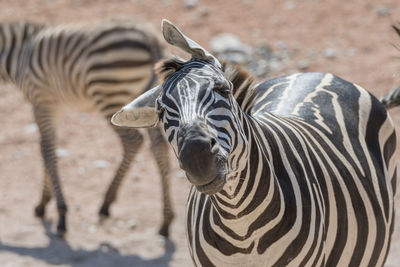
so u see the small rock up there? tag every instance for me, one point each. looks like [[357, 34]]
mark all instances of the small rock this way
[[190, 4], [384, 11], [275, 65], [229, 47], [107, 248], [264, 51], [101, 164], [234, 57], [289, 5], [92, 229], [204, 12], [330, 53], [31, 128], [303, 65], [62, 153], [228, 42], [131, 223], [281, 45]]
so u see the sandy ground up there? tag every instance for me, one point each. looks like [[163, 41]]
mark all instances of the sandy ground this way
[[364, 54]]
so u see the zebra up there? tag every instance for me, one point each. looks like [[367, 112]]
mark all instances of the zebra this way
[[298, 170], [90, 66]]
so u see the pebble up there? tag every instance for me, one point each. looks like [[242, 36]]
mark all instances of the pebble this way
[[260, 60], [31, 128], [289, 5], [228, 42], [384, 11], [275, 65], [204, 12], [131, 223], [92, 229], [190, 4], [303, 64], [329, 53], [62, 153], [101, 164], [107, 248]]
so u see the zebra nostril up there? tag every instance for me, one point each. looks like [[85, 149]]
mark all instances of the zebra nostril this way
[[214, 146]]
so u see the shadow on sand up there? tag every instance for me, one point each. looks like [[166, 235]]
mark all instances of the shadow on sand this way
[[58, 251]]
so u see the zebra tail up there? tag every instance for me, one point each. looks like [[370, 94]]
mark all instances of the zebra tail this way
[[392, 99]]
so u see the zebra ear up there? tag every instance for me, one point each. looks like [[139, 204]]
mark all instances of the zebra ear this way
[[140, 113], [175, 37]]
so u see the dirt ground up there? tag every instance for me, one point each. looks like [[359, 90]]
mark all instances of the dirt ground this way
[[363, 44]]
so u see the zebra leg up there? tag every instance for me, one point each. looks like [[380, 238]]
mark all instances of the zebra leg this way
[[46, 196], [131, 141], [45, 119], [159, 147]]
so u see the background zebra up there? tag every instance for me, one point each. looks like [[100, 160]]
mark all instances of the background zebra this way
[[93, 66], [296, 171]]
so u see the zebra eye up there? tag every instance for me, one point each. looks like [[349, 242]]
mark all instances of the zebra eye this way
[[223, 91]]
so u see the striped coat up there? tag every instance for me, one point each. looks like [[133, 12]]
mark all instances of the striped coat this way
[[295, 171], [316, 187], [87, 66]]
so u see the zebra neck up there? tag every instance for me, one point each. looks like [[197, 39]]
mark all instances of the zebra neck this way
[[251, 180]]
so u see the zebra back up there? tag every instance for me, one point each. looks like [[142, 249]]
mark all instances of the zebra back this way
[[83, 63]]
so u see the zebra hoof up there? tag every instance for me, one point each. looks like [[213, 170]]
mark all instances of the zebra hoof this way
[[61, 231], [164, 231], [61, 227], [103, 214], [39, 211]]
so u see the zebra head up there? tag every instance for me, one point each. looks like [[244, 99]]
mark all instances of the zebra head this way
[[196, 107]]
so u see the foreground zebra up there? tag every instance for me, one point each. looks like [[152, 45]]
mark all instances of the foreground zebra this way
[[96, 66], [296, 171]]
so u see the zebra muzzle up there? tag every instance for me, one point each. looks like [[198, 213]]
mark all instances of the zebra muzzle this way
[[199, 156]]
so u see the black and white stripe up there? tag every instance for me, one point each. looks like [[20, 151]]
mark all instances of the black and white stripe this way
[[312, 171], [299, 170], [90, 66]]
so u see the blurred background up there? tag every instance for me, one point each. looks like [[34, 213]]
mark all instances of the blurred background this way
[[352, 39]]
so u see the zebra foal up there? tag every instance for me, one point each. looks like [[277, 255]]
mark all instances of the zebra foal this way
[[295, 171], [89, 66]]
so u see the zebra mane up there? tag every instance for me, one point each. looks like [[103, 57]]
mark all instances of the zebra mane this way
[[166, 67], [240, 78]]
